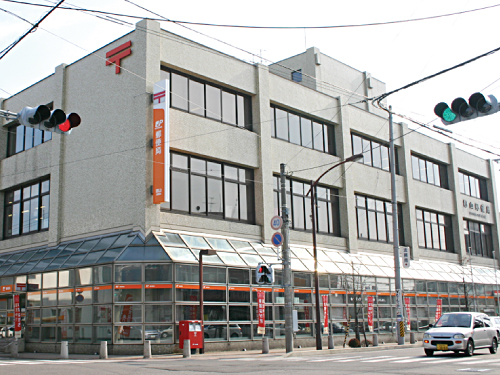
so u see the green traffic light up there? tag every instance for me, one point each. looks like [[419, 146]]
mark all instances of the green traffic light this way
[[449, 115]]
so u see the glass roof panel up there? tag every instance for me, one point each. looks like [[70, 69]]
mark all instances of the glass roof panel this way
[[243, 246], [266, 251], [331, 267], [87, 245], [41, 265], [375, 270], [27, 266], [219, 244], [196, 241], [67, 251], [74, 260], [105, 243], [170, 239], [27, 255], [110, 255], [15, 257], [56, 263], [309, 263], [335, 256], [137, 241], [208, 258], [152, 242], [73, 246], [39, 254], [52, 253], [178, 253], [388, 271], [144, 253], [251, 259], [91, 258], [123, 240], [302, 253], [298, 265], [15, 267], [231, 258], [323, 256]]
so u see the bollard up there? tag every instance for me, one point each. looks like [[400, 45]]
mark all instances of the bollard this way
[[375, 339], [147, 349], [265, 345], [14, 348], [64, 350], [186, 351], [331, 344], [412, 338], [103, 353]]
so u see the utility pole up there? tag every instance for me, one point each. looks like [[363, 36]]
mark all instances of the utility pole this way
[[496, 283], [397, 266], [287, 264]]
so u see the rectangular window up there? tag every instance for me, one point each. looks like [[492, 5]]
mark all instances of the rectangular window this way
[[27, 209], [473, 186], [213, 189], [21, 138], [327, 215], [208, 100], [374, 220], [434, 230], [303, 131], [478, 239], [375, 154], [429, 172]]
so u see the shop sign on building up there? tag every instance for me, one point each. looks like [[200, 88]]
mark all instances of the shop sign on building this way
[[261, 312], [17, 317], [370, 313], [407, 305], [161, 139], [325, 314], [439, 308]]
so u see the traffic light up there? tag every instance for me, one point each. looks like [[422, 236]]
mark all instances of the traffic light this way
[[264, 274], [462, 110], [43, 118]]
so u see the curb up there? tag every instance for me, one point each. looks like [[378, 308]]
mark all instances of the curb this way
[[343, 350]]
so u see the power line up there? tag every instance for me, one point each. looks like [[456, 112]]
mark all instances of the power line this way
[[268, 27], [10, 47]]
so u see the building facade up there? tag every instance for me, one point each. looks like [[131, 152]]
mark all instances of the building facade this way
[[94, 259]]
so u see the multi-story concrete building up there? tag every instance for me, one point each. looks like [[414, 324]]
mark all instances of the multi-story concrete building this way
[[94, 259]]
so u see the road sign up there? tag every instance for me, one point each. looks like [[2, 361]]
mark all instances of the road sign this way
[[276, 222], [406, 257], [277, 239]]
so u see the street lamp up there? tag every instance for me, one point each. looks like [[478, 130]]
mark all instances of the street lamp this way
[[203, 252], [312, 190]]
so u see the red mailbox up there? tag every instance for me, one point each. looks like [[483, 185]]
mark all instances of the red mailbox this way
[[190, 330]]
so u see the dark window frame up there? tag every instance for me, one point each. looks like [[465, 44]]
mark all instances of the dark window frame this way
[[327, 197], [21, 199], [367, 211], [467, 180], [17, 139], [244, 181], [327, 134], [368, 157], [429, 227], [478, 238], [240, 100], [426, 178]]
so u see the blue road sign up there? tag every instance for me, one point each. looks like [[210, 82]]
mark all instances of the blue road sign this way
[[277, 239]]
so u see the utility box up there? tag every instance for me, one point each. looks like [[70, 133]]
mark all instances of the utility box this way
[[190, 330]]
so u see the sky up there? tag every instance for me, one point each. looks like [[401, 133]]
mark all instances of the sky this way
[[397, 54]]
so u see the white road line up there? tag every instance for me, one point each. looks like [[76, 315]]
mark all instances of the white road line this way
[[473, 362], [417, 359], [383, 359]]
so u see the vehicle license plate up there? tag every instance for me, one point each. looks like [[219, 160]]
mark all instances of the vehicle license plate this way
[[442, 347]]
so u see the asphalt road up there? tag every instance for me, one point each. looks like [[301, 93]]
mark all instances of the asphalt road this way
[[406, 361]]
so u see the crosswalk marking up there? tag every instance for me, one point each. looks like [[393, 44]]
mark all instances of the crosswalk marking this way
[[383, 358]]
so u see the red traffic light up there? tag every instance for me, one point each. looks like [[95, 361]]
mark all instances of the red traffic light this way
[[72, 121]]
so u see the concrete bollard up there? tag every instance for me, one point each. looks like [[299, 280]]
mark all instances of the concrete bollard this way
[[147, 349], [331, 344], [265, 345], [64, 350], [412, 338], [375, 339], [14, 348], [186, 351], [103, 352]]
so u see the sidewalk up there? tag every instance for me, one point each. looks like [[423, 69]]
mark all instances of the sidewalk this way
[[297, 352]]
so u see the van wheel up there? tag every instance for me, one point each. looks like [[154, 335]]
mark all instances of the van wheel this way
[[429, 352], [494, 346], [469, 351]]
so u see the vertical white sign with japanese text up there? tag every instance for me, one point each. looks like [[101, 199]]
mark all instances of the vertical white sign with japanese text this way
[[161, 139]]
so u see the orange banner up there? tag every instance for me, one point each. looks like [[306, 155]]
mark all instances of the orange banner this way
[[161, 155]]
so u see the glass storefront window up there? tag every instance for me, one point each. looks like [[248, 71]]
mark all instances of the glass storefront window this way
[[164, 332], [128, 293], [103, 294], [158, 272], [83, 314], [66, 278], [33, 299], [127, 273], [158, 292], [83, 276], [158, 313], [48, 334], [49, 297], [83, 333], [102, 333], [127, 334], [65, 315], [128, 314], [102, 314], [49, 280], [239, 313], [65, 333], [49, 316], [103, 274], [83, 295]]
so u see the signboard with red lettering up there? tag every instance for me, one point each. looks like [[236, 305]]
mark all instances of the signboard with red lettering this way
[[161, 150], [325, 314], [407, 305], [261, 312], [439, 308], [17, 317], [370, 313]]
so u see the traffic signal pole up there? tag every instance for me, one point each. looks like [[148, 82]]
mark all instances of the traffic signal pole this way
[[287, 266], [397, 265]]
